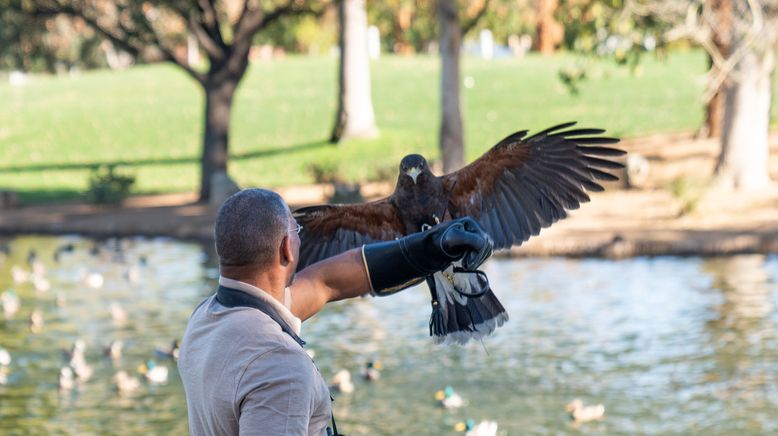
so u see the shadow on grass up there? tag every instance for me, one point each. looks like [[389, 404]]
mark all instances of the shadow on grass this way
[[170, 161], [37, 196]]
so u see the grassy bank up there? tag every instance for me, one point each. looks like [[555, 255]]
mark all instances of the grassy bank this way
[[151, 115]]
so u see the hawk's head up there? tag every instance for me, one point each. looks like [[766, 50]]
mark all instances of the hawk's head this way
[[413, 166]]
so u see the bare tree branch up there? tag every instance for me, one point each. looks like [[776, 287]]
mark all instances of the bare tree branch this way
[[210, 21], [129, 40], [214, 49], [469, 24]]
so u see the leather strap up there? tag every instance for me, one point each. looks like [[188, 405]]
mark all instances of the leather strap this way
[[229, 297]]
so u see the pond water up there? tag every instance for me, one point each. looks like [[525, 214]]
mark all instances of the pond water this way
[[667, 345]]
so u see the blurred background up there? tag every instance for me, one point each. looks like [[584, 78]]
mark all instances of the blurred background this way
[[124, 124]]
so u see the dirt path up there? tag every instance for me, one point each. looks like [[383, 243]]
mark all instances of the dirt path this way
[[617, 223]]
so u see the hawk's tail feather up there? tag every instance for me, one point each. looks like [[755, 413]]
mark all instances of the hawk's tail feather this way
[[465, 318]]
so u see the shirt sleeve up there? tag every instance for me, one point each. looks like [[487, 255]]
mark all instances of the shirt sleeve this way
[[276, 394]]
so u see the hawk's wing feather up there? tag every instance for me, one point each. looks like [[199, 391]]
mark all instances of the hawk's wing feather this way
[[332, 229], [524, 184]]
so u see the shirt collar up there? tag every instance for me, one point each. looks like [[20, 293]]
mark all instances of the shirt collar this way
[[284, 312]]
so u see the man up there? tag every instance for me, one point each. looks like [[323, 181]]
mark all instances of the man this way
[[241, 360]]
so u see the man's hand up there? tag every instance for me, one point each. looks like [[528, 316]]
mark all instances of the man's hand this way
[[465, 239], [395, 265]]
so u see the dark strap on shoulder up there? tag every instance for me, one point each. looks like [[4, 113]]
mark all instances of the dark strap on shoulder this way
[[229, 297]]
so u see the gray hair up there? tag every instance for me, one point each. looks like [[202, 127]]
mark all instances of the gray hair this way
[[249, 227]]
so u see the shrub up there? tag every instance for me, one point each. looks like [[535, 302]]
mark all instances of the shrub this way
[[107, 186]]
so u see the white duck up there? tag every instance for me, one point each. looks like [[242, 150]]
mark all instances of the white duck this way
[[66, 380], [125, 384], [341, 382], [10, 302]]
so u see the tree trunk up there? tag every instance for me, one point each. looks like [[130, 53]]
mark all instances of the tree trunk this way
[[548, 32], [218, 104], [355, 117], [722, 40], [452, 148], [743, 162], [714, 115]]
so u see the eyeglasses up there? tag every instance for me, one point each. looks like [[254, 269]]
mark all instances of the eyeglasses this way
[[297, 229]]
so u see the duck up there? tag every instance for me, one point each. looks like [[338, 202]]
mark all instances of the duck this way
[[118, 314], [114, 349], [94, 280], [75, 355], [168, 353], [66, 379], [132, 275], [581, 413], [19, 274], [155, 374], [483, 428], [372, 370], [341, 382], [40, 283], [125, 384], [65, 248], [10, 302], [5, 357], [449, 399], [36, 321], [82, 370]]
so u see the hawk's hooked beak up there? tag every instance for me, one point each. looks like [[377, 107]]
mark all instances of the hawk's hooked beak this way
[[413, 172]]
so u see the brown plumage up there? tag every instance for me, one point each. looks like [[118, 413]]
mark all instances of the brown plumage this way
[[515, 189]]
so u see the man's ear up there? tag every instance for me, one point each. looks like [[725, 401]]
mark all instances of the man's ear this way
[[286, 255]]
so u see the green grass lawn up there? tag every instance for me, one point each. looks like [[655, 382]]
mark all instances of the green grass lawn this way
[[284, 110]]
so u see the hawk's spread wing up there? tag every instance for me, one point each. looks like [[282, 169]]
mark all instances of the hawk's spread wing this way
[[332, 229], [524, 184]]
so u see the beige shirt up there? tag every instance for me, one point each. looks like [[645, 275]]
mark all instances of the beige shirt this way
[[243, 375]]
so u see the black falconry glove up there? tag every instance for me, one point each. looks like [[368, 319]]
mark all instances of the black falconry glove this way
[[395, 265]]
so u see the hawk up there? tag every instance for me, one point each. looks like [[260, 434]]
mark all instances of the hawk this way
[[521, 185]]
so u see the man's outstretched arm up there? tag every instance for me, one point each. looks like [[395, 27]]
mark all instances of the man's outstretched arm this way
[[387, 267]]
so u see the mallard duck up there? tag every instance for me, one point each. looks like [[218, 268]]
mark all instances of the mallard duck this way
[[449, 399], [372, 370], [125, 384], [168, 353], [36, 321], [10, 302], [66, 380], [483, 428], [155, 374], [580, 413], [341, 382]]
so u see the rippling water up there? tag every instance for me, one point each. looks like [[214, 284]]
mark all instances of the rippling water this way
[[667, 345]]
